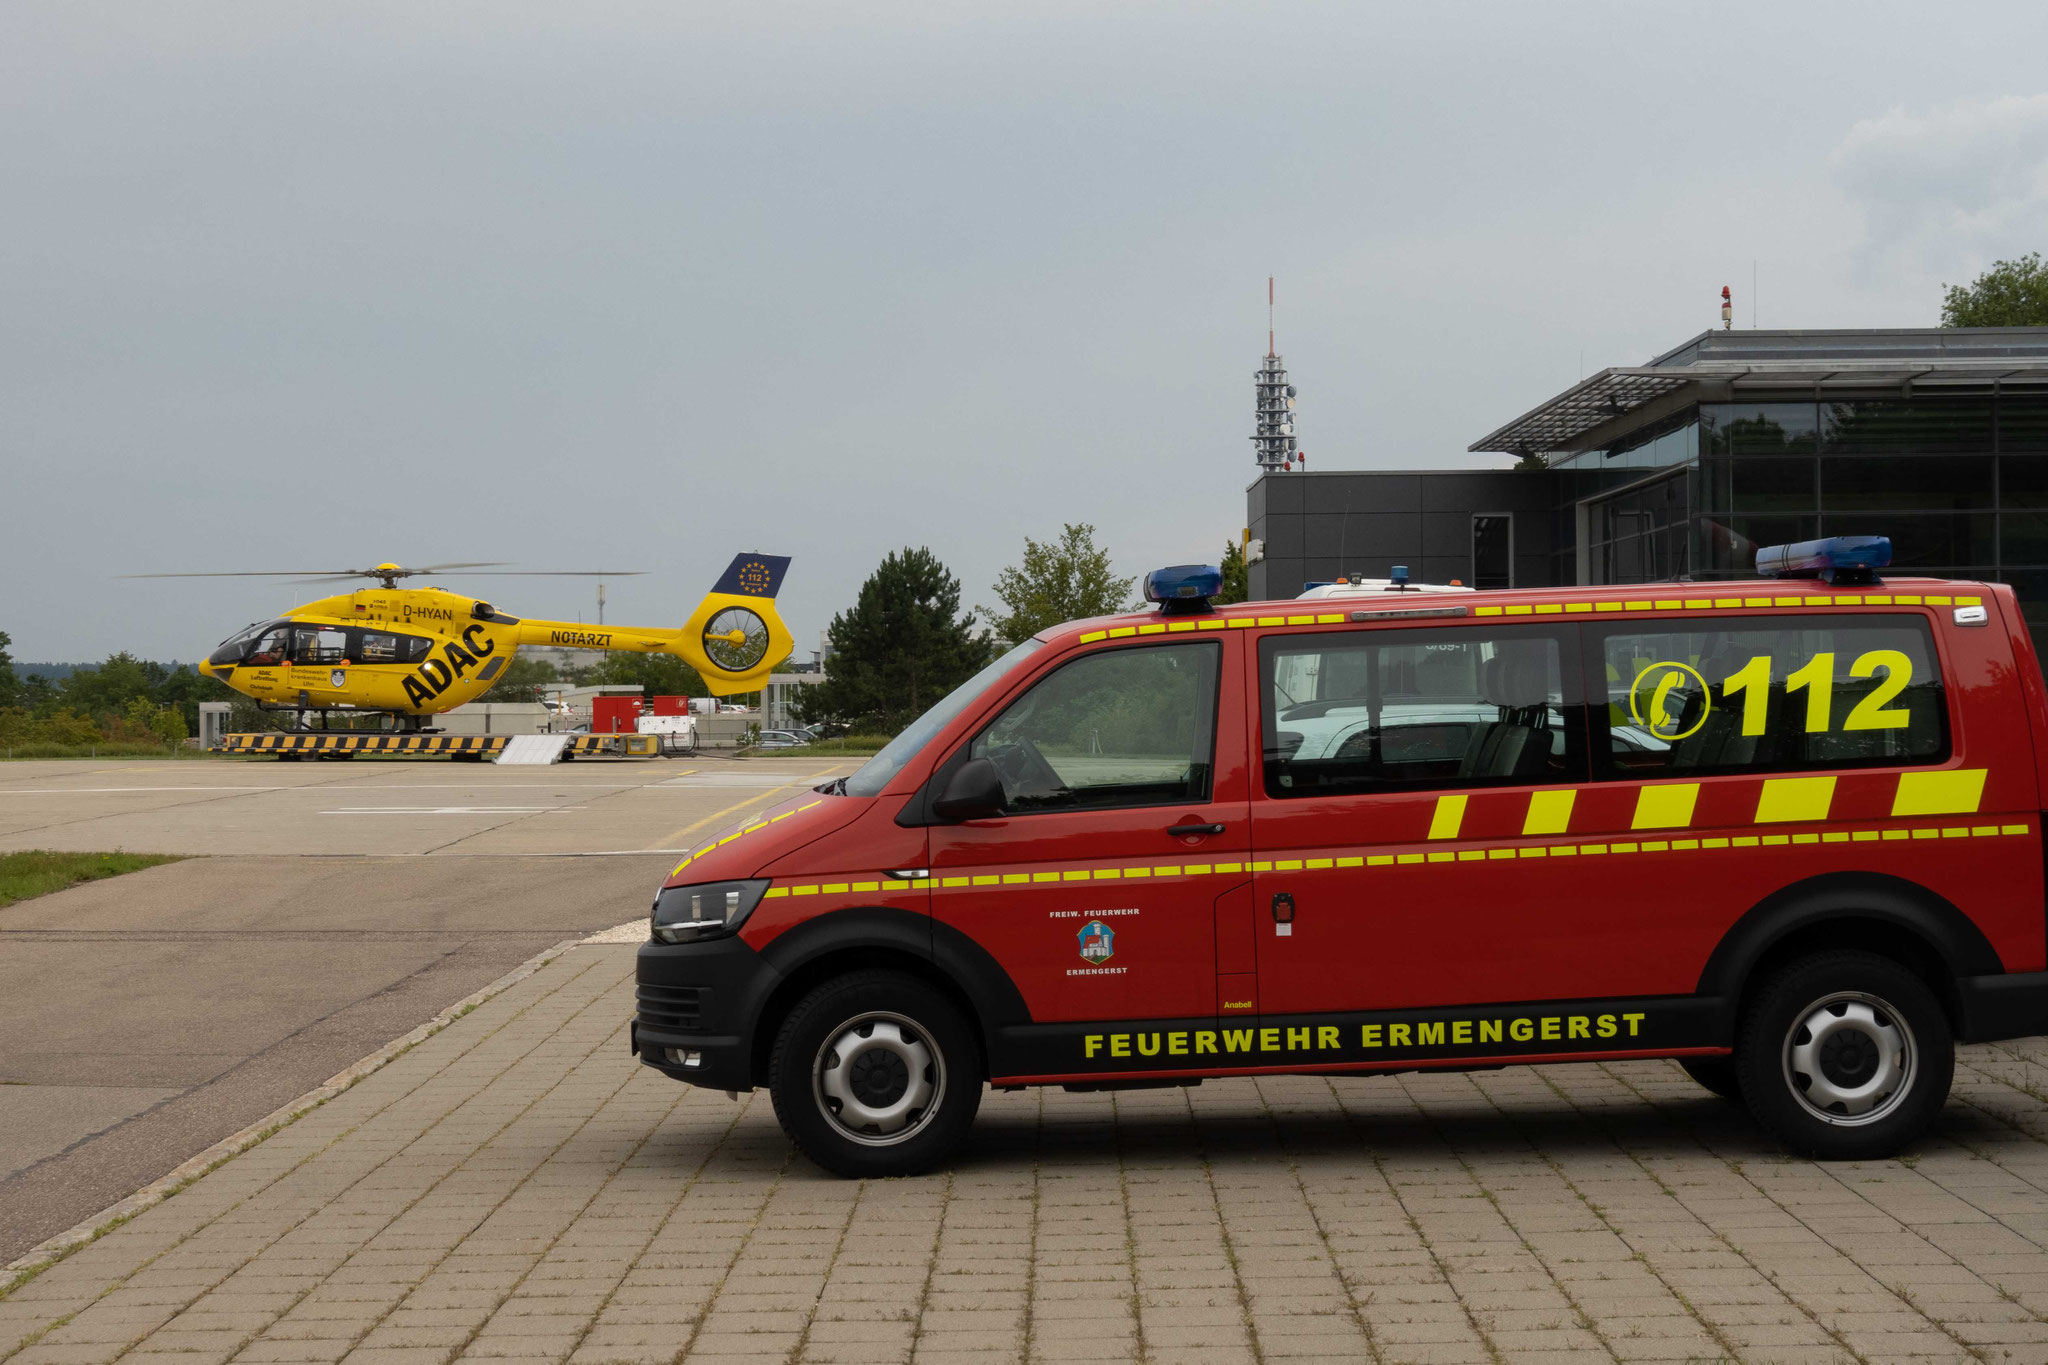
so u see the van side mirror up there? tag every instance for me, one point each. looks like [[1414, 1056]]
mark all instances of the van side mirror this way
[[974, 792]]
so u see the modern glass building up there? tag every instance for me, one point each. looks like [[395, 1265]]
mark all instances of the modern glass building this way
[[1681, 467]]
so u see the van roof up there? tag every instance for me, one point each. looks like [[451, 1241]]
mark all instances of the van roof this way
[[1652, 597]]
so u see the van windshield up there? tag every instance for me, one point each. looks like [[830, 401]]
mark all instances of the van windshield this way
[[878, 771]]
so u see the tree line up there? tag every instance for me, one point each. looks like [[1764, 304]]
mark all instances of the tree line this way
[[124, 702], [905, 642]]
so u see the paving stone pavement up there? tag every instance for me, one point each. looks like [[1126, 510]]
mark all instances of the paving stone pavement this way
[[515, 1188]]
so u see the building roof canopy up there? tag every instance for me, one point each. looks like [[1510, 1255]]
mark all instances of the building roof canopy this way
[[1717, 366]]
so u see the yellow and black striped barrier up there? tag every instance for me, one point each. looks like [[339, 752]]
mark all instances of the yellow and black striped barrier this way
[[435, 746], [431, 746], [614, 746]]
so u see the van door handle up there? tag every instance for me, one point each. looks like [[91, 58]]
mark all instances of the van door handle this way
[[1184, 831]]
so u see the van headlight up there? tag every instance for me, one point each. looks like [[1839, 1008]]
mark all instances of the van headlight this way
[[688, 914]]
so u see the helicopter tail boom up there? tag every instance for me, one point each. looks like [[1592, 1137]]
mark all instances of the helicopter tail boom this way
[[734, 638]]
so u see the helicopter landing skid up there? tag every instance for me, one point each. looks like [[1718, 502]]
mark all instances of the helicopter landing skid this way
[[402, 724]]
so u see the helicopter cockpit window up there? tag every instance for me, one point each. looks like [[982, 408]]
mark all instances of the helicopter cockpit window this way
[[319, 646], [270, 650]]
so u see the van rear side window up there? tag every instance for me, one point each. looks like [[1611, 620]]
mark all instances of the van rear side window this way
[[1732, 695], [1369, 711]]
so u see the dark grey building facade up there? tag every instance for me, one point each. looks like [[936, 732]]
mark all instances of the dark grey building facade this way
[[1681, 467], [1474, 526]]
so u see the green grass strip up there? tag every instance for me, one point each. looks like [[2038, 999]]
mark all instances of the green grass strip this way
[[38, 872]]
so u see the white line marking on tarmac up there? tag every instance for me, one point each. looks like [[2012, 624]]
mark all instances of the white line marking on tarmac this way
[[327, 787], [450, 810]]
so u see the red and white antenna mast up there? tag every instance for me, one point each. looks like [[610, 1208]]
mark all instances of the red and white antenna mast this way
[[1273, 443]]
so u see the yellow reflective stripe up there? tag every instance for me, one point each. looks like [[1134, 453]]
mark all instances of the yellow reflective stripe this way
[[1957, 791], [1668, 806], [1786, 799], [1549, 812], [1448, 818]]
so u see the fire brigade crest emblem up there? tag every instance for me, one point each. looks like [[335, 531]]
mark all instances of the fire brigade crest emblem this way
[[1098, 943]]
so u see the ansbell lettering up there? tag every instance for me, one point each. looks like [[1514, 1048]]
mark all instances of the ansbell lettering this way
[[1365, 1040]]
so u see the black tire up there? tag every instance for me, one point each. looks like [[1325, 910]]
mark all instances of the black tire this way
[[1890, 1060], [1716, 1074], [922, 1043]]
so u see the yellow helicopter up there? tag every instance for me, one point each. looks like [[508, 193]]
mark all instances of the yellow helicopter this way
[[415, 652]]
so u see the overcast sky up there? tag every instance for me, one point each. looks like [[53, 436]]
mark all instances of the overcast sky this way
[[612, 286]]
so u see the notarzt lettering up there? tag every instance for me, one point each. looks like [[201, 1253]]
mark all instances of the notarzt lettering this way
[[584, 638]]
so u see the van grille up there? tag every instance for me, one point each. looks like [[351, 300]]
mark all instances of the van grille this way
[[670, 1007]]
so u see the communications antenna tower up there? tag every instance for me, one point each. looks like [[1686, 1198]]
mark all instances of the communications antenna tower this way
[[1274, 443]]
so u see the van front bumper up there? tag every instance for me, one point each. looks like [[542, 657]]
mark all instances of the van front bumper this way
[[2008, 1005], [696, 1005]]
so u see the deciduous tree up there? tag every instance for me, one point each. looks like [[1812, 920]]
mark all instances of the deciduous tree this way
[[1068, 579], [2009, 294]]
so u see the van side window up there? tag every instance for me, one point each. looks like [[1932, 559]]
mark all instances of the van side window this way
[[1133, 726], [1735, 694], [1398, 710]]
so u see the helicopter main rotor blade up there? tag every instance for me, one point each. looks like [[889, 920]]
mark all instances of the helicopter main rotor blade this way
[[254, 573], [468, 564], [562, 573]]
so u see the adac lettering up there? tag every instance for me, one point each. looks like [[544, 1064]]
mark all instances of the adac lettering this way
[[583, 638], [1359, 1042], [436, 676]]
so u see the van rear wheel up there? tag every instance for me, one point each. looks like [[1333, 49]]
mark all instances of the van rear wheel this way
[[875, 1074], [1845, 1056]]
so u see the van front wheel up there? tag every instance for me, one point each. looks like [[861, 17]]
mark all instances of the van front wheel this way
[[875, 1074], [1845, 1056]]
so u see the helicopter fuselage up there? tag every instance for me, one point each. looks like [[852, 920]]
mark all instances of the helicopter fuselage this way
[[410, 651]]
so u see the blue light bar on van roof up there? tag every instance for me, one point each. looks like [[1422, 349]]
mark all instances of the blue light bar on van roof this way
[[1837, 559], [1184, 587]]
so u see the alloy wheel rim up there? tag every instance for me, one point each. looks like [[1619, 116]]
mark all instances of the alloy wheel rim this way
[[878, 1078], [1850, 1059]]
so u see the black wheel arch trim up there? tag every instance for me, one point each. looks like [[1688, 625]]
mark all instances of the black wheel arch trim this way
[[993, 995], [1808, 904]]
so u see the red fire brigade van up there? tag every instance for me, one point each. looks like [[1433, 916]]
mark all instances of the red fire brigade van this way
[[1785, 831]]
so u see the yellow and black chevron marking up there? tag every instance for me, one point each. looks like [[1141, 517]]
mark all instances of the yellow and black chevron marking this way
[[617, 746], [341, 743]]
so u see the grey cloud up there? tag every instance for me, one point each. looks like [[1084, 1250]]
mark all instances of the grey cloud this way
[[1952, 187]]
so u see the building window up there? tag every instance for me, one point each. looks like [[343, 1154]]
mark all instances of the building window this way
[[1758, 428], [1640, 534], [1493, 550]]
